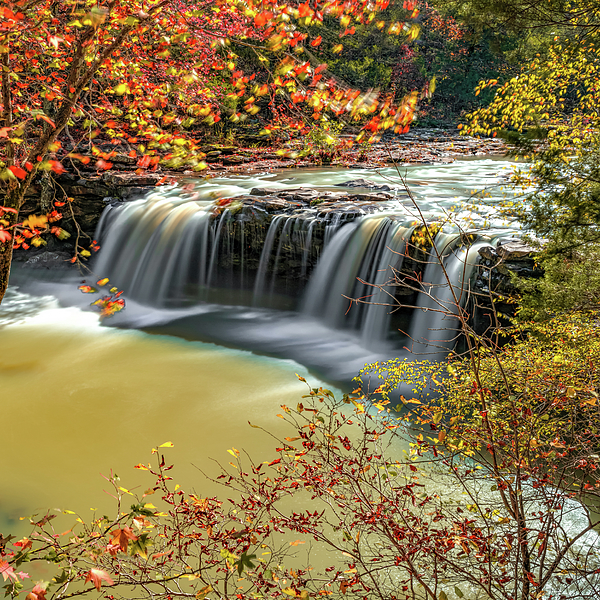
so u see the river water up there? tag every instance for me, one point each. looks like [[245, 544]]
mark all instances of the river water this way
[[79, 398]]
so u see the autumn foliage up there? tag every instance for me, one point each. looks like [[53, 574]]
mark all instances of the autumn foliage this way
[[358, 502], [153, 76]]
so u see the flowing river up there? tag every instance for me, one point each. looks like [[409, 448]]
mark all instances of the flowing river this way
[[81, 397]]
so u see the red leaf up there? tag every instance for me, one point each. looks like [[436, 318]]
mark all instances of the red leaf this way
[[316, 42], [103, 164], [18, 172], [4, 236], [37, 593], [7, 571], [47, 119]]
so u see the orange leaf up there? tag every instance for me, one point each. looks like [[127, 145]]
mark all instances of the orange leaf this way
[[96, 576], [262, 18], [56, 166], [121, 537], [316, 42]]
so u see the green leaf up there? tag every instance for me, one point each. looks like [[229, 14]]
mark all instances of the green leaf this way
[[62, 578], [141, 545], [458, 592], [245, 561]]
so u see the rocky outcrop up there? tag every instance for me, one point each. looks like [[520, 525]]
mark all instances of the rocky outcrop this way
[[495, 292]]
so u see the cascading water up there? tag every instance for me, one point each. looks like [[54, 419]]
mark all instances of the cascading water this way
[[445, 287], [340, 266]]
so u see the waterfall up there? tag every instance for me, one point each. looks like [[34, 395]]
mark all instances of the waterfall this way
[[354, 280], [173, 250], [265, 258], [146, 246]]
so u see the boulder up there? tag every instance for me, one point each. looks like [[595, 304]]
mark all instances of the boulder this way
[[514, 250]]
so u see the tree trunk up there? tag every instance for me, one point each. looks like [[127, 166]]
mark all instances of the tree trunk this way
[[11, 200]]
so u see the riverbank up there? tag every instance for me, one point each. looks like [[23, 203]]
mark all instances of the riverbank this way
[[113, 173]]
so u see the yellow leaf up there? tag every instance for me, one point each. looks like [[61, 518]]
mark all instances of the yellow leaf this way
[[34, 221], [167, 445], [359, 407], [289, 591], [203, 592]]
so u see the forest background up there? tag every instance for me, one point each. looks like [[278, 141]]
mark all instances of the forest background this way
[[156, 80]]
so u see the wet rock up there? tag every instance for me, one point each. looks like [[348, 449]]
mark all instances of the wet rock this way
[[365, 183], [212, 156], [274, 204], [301, 195], [234, 160], [356, 209], [264, 191], [131, 179], [48, 260], [488, 253], [495, 292], [372, 197], [132, 192], [123, 159]]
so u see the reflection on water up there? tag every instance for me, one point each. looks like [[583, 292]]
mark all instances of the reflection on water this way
[[79, 400]]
